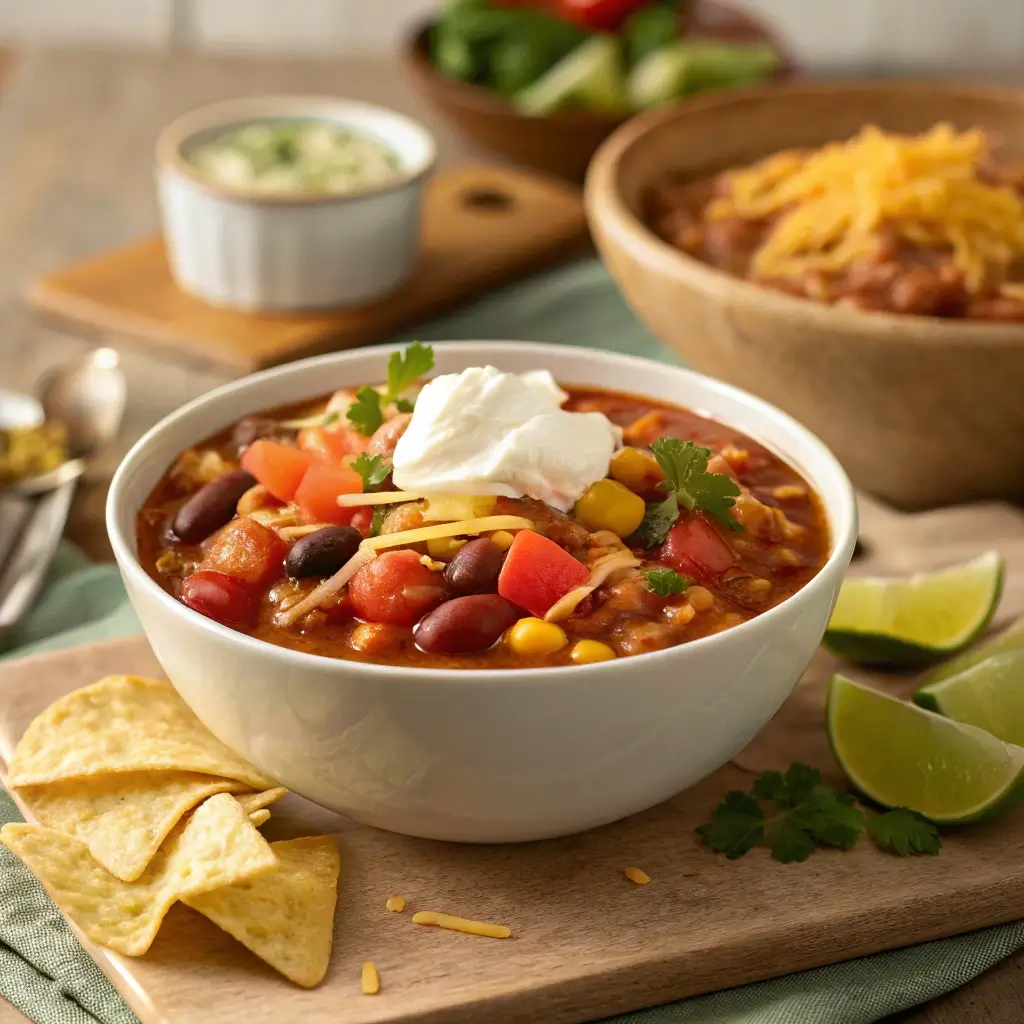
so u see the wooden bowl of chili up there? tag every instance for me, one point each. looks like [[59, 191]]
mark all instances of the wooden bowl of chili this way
[[562, 143], [921, 409]]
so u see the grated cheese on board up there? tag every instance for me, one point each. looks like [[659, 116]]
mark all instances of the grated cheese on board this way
[[462, 924], [832, 202]]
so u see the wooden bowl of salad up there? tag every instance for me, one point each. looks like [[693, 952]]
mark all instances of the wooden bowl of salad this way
[[544, 82]]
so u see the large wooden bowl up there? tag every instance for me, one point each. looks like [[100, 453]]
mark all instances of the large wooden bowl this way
[[921, 411], [563, 143]]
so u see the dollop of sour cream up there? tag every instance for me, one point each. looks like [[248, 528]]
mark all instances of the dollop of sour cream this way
[[483, 431]]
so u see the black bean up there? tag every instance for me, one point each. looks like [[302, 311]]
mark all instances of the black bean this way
[[322, 553], [253, 428], [211, 506], [465, 625], [475, 568]]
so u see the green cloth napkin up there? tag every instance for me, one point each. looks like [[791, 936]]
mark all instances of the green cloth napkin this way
[[47, 975]]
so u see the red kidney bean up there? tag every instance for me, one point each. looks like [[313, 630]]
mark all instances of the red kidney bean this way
[[475, 568], [211, 507], [465, 625], [322, 553], [221, 598], [253, 428]]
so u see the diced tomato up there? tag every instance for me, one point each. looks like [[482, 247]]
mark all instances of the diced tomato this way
[[221, 598], [279, 467], [396, 587], [318, 493], [537, 572], [361, 519], [598, 15], [695, 548], [331, 446], [246, 550]]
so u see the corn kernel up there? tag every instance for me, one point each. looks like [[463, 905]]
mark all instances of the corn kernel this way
[[589, 652], [636, 469], [443, 548], [637, 875], [503, 539], [789, 492], [608, 505], [700, 598], [396, 904], [536, 637], [679, 614], [369, 982]]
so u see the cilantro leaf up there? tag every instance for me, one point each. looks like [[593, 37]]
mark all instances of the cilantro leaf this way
[[659, 518], [405, 368], [770, 786], [736, 827], [685, 466], [380, 513], [331, 418], [789, 842], [365, 412], [789, 789], [665, 582], [904, 833], [373, 469], [829, 817], [403, 405]]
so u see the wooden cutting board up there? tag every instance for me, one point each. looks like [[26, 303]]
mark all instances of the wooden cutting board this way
[[587, 943], [482, 227]]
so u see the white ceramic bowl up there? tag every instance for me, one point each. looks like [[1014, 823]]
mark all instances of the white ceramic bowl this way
[[483, 756], [241, 249]]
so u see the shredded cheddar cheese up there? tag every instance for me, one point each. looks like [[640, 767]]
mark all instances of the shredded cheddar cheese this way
[[599, 572], [461, 924], [637, 875], [832, 203], [370, 980]]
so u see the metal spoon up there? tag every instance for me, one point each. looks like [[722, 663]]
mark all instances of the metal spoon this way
[[88, 396]]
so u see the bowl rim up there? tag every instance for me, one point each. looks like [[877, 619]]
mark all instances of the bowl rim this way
[[604, 201], [842, 522], [222, 113]]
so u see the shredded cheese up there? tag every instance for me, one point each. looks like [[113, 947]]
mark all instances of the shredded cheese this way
[[378, 498], [369, 982], [599, 572], [637, 875], [295, 532], [327, 589], [462, 924], [831, 204]]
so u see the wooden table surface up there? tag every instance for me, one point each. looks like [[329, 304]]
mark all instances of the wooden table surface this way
[[76, 138]]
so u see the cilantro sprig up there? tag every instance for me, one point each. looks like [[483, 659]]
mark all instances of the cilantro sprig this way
[[380, 513], [664, 582], [793, 814], [366, 413], [374, 470], [690, 486]]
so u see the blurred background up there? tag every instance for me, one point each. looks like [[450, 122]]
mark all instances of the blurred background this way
[[825, 35]]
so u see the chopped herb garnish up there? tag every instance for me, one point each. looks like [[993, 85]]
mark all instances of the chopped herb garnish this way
[[794, 813], [665, 582], [380, 513], [374, 470], [659, 518], [404, 369], [904, 832], [331, 418]]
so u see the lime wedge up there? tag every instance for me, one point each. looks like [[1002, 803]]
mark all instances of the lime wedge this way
[[1011, 639], [900, 755], [916, 620], [989, 695], [591, 76]]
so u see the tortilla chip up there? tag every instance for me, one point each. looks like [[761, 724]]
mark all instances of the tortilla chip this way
[[217, 846], [123, 817], [260, 817], [257, 801], [123, 724], [286, 919]]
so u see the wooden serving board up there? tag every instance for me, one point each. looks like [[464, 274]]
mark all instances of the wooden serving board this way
[[482, 227], [587, 943]]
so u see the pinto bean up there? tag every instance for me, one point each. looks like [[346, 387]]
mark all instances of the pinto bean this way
[[475, 567], [465, 625], [211, 506], [322, 553]]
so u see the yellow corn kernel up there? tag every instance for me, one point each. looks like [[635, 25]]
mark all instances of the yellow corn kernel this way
[[784, 492], [589, 652], [395, 904], [700, 598], [503, 539], [636, 469], [608, 505], [637, 875], [536, 637], [443, 548], [370, 981]]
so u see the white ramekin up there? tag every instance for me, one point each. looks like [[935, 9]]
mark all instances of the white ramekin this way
[[241, 249], [485, 756]]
